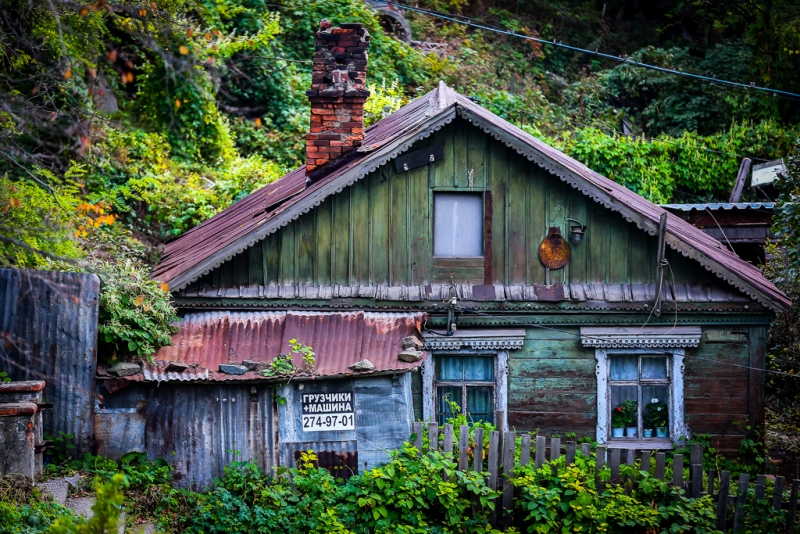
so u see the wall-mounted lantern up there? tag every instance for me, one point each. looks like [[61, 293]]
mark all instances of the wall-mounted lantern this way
[[576, 231]]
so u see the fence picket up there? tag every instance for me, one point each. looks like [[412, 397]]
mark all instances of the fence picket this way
[[741, 500], [761, 486], [541, 442], [448, 439], [777, 493], [661, 458], [509, 449], [417, 431], [614, 465], [571, 447], [697, 480], [792, 507], [478, 451], [555, 449], [722, 503], [599, 462], [433, 436], [696, 454], [630, 456], [463, 445], [645, 465], [494, 457], [712, 478], [677, 470], [525, 450], [586, 449]]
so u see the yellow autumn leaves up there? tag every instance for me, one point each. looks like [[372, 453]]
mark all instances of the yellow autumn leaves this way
[[92, 216]]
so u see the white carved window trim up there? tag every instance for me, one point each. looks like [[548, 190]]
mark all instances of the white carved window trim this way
[[677, 426], [500, 381]]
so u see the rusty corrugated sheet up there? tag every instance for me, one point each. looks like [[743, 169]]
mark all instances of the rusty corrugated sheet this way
[[48, 322], [207, 339]]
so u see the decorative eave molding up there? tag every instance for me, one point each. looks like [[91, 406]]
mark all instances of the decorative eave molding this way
[[642, 338], [511, 339]]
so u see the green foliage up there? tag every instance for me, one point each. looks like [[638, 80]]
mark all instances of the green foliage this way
[[62, 448], [25, 509], [4, 377], [382, 101], [282, 365], [560, 498], [624, 414], [109, 500], [37, 220], [136, 313], [655, 415]]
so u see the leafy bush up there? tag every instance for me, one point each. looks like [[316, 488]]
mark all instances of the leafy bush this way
[[561, 498], [136, 313]]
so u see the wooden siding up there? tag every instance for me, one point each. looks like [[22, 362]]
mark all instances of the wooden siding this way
[[552, 385], [379, 231]]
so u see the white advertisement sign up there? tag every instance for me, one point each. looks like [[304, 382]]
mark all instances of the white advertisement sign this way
[[328, 411]]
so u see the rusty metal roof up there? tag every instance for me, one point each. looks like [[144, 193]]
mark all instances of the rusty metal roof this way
[[207, 339], [245, 223]]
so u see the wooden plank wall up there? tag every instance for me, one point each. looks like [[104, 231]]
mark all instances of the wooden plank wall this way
[[379, 231], [717, 395], [552, 385]]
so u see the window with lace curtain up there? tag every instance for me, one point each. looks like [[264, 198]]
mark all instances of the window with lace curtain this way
[[466, 383]]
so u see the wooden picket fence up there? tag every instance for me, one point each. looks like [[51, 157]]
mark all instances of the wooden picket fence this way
[[502, 453]]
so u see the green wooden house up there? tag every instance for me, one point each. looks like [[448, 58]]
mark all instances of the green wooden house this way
[[547, 297]]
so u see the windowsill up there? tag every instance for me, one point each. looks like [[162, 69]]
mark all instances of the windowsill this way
[[640, 444]]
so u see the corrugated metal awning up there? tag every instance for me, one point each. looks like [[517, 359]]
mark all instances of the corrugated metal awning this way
[[206, 340]]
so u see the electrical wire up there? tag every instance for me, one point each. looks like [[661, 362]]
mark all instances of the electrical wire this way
[[562, 331], [751, 86]]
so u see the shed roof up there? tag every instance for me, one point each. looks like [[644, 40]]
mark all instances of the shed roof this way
[[245, 223], [205, 340]]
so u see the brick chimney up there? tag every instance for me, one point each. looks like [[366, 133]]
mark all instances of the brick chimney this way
[[337, 94]]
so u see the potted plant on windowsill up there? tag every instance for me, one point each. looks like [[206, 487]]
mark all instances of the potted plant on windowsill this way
[[630, 410], [617, 422], [656, 418]]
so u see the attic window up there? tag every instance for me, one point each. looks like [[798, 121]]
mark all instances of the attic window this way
[[457, 225]]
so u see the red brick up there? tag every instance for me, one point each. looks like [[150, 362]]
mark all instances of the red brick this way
[[342, 143], [310, 149], [320, 142], [330, 149]]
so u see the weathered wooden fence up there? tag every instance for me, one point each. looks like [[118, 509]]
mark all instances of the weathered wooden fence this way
[[501, 462]]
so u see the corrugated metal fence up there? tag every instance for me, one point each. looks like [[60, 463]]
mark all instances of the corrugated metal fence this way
[[48, 321]]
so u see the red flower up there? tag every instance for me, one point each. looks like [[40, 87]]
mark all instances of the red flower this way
[[619, 408]]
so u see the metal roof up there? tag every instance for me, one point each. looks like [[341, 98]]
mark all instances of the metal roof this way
[[207, 339], [245, 223], [721, 206]]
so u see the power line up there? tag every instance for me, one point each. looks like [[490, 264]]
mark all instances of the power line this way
[[751, 86], [612, 131]]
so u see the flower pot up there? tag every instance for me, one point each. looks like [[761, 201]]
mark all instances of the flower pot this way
[[648, 432], [661, 432], [617, 432], [630, 432]]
